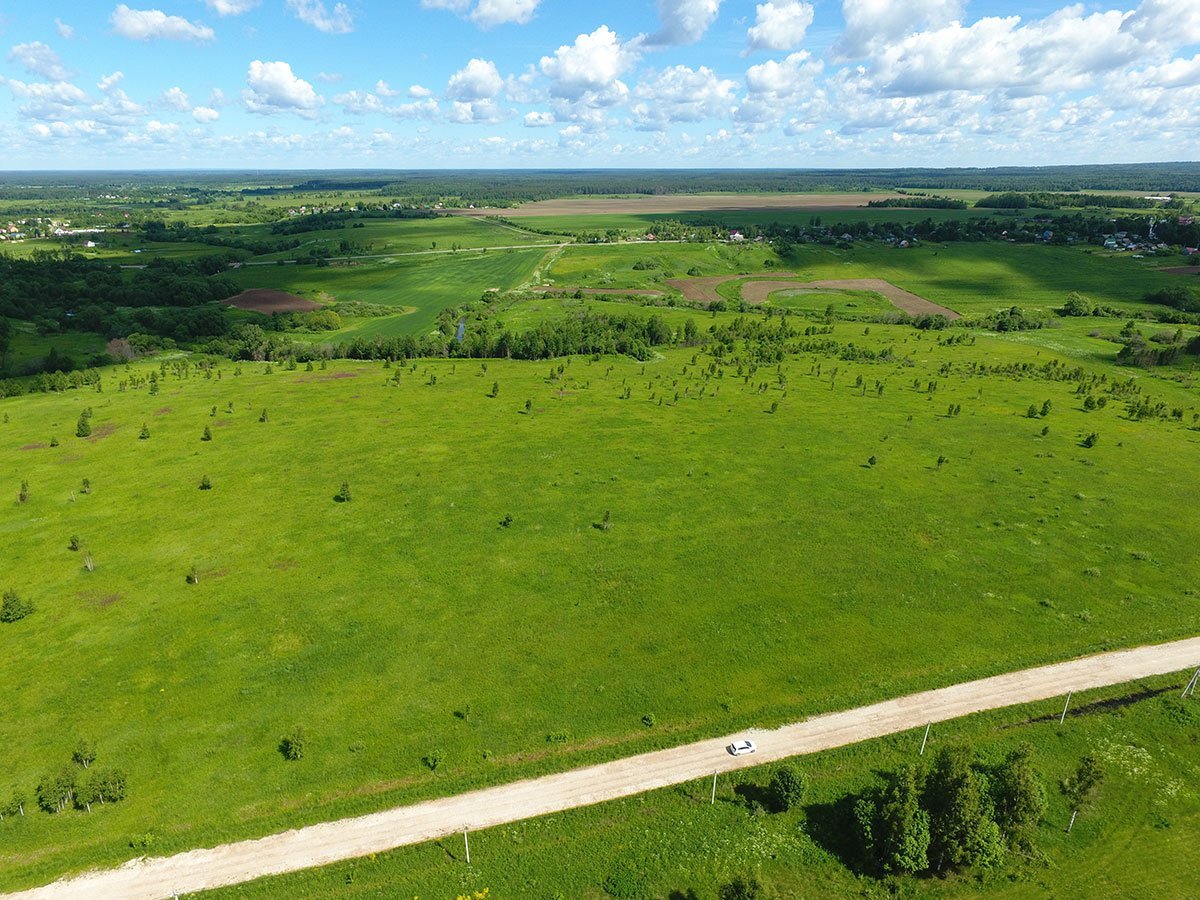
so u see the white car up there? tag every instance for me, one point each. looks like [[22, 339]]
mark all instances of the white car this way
[[741, 748]]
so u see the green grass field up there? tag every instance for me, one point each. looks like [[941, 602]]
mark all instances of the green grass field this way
[[425, 284], [1134, 840], [755, 567]]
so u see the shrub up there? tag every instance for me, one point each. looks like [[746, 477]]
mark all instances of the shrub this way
[[56, 790], [83, 428], [144, 434], [787, 788], [1090, 440], [23, 494], [74, 543], [433, 759], [14, 607], [343, 494], [292, 745], [744, 887], [205, 483], [506, 522], [207, 435], [871, 460], [84, 753], [649, 720]]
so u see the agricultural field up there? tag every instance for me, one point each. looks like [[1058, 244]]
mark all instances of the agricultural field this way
[[673, 842], [696, 519]]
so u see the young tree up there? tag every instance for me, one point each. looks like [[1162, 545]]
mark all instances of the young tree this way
[[207, 435], [343, 494], [292, 745], [893, 826], [205, 483], [14, 607], [85, 753], [23, 494], [1081, 786], [83, 427], [962, 829], [144, 434], [787, 788], [1018, 795], [56, 790], [108, 785]]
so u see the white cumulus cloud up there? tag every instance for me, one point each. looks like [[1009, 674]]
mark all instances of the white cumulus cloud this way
[[684, 21], [205, 115], [154, 24], [590, 69], [273, 87], [65, 31], [231, 7], [315, 13], [38, 59], [477, 80], [779, 25], [176, 99], [488, 13]]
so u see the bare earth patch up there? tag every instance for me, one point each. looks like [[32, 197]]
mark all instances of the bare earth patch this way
[[34, 447], [759, 291], [1181, 270], [163, 411], [100, 432], [100, 601], [261, 300], [675, 203], [330, 376], [704, 289]]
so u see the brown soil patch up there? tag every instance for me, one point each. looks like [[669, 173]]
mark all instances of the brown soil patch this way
[[758, 291], [704, 289], [598, 292], [284, 565], [100, 601], [34, 447], [676, 203], [1181, 270], [163, 411], [100, 432], [331, 376], [265, 301]]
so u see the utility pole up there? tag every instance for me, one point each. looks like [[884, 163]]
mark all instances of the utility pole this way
[[714, 790], [1191, 685], [467, 845], [1063, 718], [925, 739]]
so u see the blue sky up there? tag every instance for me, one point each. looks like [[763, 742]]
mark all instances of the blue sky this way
[[549, 83]]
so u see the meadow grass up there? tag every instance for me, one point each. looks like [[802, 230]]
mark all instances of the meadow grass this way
[[756, 570], [969, 278], [421, 286], [1133, 840]]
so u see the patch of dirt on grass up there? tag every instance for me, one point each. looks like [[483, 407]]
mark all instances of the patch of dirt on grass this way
[[98, 600], [163, 411], [1181, 270], [704, 289], [35, 447], [284, 565], [100, 432], [261, 300], [329, 376]]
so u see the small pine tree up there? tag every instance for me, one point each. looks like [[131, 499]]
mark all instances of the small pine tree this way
[[144, 434], [263, 417], [74, 543], [23, 494], [871, 460], [13, 608], [1090, 440], [787, 788], [193, 576], [292, 745], [85, 486], [207, 436], [205, 483], [343, 495], [83, 428]]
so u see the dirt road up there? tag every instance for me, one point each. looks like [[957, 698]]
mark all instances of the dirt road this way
[[319, 845]]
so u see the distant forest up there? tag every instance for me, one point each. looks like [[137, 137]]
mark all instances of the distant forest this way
[[502, 187]]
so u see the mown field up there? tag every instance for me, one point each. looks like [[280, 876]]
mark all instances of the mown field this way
[[757, 567], [1133, 840]]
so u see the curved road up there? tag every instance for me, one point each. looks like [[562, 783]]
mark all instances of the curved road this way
[[318, 845]]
